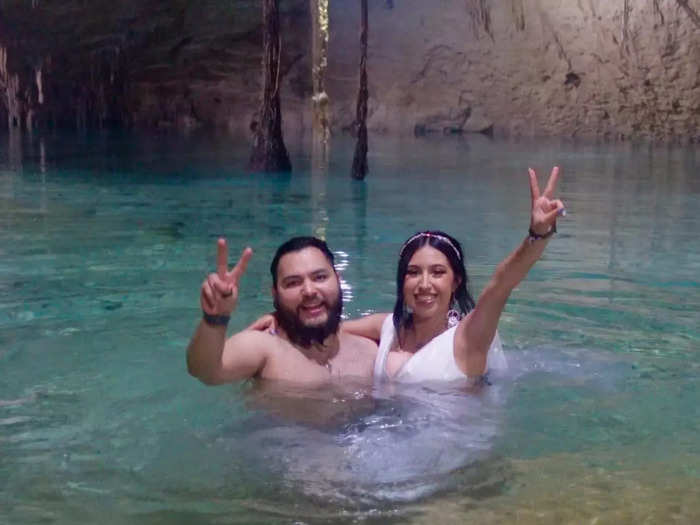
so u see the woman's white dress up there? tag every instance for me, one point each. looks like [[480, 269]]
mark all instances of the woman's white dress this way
[[433, 362]]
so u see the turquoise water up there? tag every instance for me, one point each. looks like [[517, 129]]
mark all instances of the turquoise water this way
[[104, 242]]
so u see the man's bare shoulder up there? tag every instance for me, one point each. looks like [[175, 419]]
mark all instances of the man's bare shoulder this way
[[253, 340], [255, 343], [356, 355], [358, 344], [268, 355]]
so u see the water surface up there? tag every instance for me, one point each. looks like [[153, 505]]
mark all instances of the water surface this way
[[104, 241]]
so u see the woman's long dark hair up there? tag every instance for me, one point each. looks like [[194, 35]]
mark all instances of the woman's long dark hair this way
[[450, 248]]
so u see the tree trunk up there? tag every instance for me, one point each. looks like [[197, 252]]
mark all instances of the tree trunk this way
[[359, 162], [269, 152]]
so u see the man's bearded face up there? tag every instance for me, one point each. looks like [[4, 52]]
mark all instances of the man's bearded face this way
[[308, 299]]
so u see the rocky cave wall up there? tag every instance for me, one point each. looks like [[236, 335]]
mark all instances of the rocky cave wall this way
[[163, 64], [594, 68]]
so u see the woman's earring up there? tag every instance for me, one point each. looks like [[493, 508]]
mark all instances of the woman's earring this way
[[406, 315], [453, 317]]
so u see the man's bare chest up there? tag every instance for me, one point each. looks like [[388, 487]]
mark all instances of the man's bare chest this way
[[291, 364]]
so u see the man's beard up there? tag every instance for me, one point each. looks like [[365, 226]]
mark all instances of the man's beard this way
[[303, 335]]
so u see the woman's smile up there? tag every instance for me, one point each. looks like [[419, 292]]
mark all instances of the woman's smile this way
[[426, 299], [429, 282]]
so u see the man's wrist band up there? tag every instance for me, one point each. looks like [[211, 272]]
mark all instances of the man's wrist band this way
[[216, 320], [532, 236]]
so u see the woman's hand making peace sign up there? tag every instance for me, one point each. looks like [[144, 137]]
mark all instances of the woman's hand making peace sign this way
[[219, 295], [545, 208]]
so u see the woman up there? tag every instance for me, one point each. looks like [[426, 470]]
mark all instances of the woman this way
[[417, 341], [437, 332]]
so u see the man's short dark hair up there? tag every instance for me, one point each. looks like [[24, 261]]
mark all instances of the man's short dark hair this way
[[296, 244]]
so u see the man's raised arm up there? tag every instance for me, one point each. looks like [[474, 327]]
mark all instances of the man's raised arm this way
[[210, 357]]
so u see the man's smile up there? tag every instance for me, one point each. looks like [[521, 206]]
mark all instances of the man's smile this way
[[313, 309]]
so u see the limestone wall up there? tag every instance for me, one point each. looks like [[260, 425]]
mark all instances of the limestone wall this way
[[608, 68], [594, 68]]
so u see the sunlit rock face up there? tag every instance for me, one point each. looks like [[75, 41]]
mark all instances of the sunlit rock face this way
[[590, 68], [526, 67]]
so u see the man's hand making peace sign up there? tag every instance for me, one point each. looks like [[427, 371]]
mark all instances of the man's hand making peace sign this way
[[219, 295]]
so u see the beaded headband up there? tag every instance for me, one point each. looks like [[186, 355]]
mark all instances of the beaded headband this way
[[433, 235]]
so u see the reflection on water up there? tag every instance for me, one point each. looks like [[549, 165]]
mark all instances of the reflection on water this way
[[370, 450], [104, 242], [347, 445]]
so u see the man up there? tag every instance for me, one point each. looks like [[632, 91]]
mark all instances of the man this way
[[308, 346]]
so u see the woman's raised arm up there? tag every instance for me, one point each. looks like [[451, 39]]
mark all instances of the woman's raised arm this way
[[476, 331]]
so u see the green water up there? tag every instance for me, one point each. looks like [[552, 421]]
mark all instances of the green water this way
[[104, 242]]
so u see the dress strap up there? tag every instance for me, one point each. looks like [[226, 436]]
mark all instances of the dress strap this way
[[386, 340]]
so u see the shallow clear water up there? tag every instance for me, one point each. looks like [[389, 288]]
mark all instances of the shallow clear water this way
[[105, 240]]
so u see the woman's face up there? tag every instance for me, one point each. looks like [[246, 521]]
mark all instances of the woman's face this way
[[429, 283]]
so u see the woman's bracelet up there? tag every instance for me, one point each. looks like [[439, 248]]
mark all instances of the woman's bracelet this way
[[532, 236], [216, 320]]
